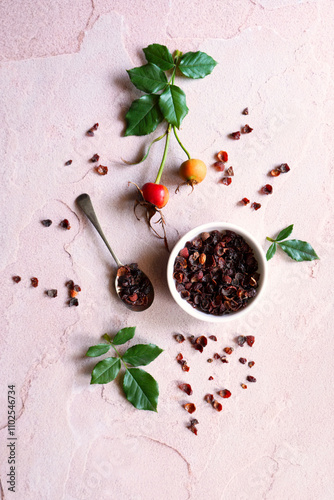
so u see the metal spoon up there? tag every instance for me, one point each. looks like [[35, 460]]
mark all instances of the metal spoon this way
[[86, 206]]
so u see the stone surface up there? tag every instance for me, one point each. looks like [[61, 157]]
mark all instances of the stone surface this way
[[63, 68]]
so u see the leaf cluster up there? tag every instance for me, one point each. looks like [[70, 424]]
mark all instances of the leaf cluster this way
[[163, 100], [140, 388], [296, 249]]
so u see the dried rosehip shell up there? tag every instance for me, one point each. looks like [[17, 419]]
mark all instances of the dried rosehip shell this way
[[210, 378], [228, 350], [226, 181], [34, 282], [244, 201], [246, 129], [243, 361], [68, 162], [184, 252], [241, 339], [186, 388], [46, 222], [244, 386], [256, 206], [283, 168], [209, 398], [73, 302], [245, 111], [202, 340], [235, 135], [185, 367], [179, 338], [222, 156], [250, 339], [213, 337], [217, 406], [95, 158], [230, 171], [275, 172], [190, 407], [216, 355], [51, 293], [65, 224], [219, 165], [250, 378], [16, 279], [225, 393], [179, 357], [210, 360], [251, 364], [101, 170], [224, 359], [267, 189], [193, 429]]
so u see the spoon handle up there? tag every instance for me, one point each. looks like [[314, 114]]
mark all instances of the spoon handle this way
[[85, 203]]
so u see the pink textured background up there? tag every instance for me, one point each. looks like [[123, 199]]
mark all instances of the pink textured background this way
[[63, 67]]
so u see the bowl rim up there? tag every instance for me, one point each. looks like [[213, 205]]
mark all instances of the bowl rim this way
[[219, 226]]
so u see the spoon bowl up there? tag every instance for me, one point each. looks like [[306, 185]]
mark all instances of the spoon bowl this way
[[132, 285]]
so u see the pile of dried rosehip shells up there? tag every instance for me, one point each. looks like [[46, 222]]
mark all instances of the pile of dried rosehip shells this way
[[133, 286], [216, 272]]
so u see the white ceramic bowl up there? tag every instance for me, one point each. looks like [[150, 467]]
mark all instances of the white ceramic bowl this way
[[258, 254]]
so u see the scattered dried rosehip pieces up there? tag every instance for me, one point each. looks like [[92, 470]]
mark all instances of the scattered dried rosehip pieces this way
[[256, 206], [251, 364], [226, 181], [225, 280], [101, 170], [210, 360], [244, 201], [216, 355], [190, 407], [235, 135], [243, 361], [283, 168], [230, 171], [34, 282], [274, 172], [91, 131], [186, 388], [222, 156], [179, 338], [250, 339], [16, 279], [51, 293], [133, 286], [182, 362], [213, 337], [192, 426], [69, 162], [73, 290], [250, 378], [267, 189], [46, 222], [246, 129], [95, 158], [210, 378], [245, 111], [225, 393], [65, 224], [224, 359], [244, 386]]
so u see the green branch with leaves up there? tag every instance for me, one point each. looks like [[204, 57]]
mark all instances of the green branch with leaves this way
[[296, 249], [140, 388]]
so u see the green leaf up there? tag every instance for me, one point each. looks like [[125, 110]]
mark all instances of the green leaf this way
[[298, 250], [105, 371], [97, 350], [285, 233], [124, 335], [271, 251], [141, 354], [159, 55], [141, 389], [196, 64], [143, 116], [148, 78], [173, 105]]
